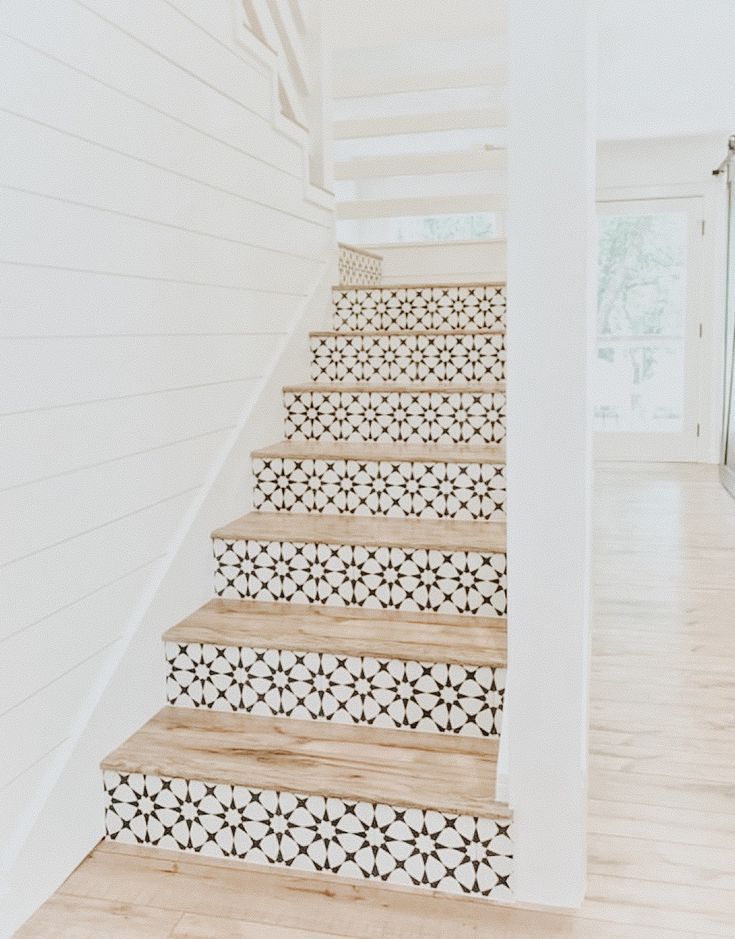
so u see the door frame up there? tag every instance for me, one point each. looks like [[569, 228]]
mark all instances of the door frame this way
[[690, 444]]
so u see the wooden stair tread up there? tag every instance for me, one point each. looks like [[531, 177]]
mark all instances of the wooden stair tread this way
[[438, 534], [456, 286], [443, 772], [344, 333], [386, 634], [388, 452], [417, 387]]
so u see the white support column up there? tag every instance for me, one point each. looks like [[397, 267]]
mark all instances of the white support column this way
[[551, 277]]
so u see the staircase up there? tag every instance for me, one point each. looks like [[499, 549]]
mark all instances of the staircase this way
[[337, 707]]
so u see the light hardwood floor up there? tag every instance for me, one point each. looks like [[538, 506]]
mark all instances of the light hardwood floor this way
[[662, 807]]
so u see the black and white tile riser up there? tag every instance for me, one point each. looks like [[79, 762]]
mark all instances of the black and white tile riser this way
[[344, 689], [447, 357], [370, 577], [399, 308], [450, 416], [400, 489], [411, 847]]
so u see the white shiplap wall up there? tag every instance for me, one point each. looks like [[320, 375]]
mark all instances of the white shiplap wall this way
[[448, 262], [158, 247]]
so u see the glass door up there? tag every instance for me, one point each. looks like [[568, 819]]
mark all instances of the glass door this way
[[646, 376]]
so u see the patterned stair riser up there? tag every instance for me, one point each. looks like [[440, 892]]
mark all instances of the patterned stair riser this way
[[472, 357], [373, 577], [359, 267], [457, 854], [345, 689], [395, 489], [477, 307], [408, 416]]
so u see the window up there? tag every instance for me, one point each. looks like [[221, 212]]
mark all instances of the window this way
[[469, 226]]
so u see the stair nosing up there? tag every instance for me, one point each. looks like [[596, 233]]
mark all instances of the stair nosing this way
[[381, 452], [479, 283], [477, 536], [232, 623], [390, 387], [494, 331], [274, 754]]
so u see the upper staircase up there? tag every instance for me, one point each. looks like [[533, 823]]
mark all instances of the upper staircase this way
[[337, 707]]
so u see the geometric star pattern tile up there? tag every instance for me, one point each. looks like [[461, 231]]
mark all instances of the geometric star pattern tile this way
[[371, 577], [451, 416], [457, 854], [344, 689], [408, 357], [459, 307], [358, 267], [391, 488]]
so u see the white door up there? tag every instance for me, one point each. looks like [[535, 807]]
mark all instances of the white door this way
[[647, 370]]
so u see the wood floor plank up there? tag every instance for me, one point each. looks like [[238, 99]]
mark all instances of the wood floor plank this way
[[248, 894], [72, 917], [449, 773], [422, 637], [674, 863], [191, 926]]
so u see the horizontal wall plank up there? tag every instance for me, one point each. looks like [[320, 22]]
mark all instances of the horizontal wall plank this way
[[417, 164], [14, 794], [78, 171], [423, 187], [72, 369], [42, 584], [380, 125], [46, 91], [468, 262], [350, 82], [387, 208], [38, 655], [51, 713], [162, 26], [41, 514], [57, 302], [77, 37], [60, 234], [47, 443]]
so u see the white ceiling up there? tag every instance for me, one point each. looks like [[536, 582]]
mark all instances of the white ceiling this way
[[666, 67]]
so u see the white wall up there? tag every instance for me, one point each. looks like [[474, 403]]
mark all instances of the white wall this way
[[158, 248], [461, 262], [551, 311]]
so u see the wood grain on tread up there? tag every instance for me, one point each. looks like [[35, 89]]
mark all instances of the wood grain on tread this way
[[384, 452], [418, 387], [389, 634], [447, 773], [429, 533], [353, 333], [456, 286]]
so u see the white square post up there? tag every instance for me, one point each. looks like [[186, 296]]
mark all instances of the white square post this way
[[551, 277]]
